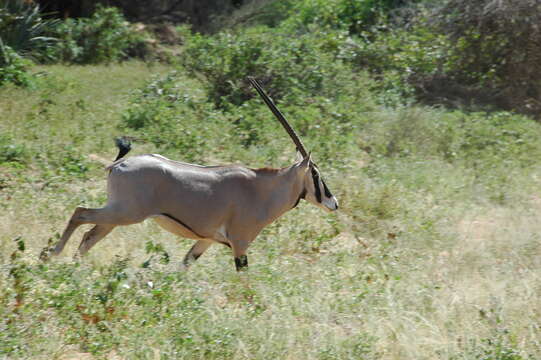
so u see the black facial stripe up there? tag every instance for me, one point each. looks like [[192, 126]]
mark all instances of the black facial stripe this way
[[315, 177], [327, 192]]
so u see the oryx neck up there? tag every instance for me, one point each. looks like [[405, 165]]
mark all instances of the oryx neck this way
[[283, 188]]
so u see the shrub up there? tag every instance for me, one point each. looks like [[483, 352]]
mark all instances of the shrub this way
[[104, 37], [23, 29], [180, 122], [319, 93], [13, 68], [256, 12], [399, 59], [496, 50], [280, 62], [452, 53], [351, 15]]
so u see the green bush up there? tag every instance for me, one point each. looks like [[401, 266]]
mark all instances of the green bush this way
[[268, 13], [301, 73], [22, 32], [104, 37], [496, 51], [399, 59], [457, 53], [13, 68], [280, 62], [23, 29], [451, 52], [352, 15]]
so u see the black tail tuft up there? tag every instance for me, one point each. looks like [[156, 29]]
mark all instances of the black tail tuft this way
[[124, 146]]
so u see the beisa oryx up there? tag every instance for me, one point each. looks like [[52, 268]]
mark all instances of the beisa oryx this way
[[228, 204]]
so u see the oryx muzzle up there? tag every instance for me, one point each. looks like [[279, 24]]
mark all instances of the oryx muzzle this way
[[228, 204]]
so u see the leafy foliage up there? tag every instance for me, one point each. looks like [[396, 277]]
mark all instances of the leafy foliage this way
[[13, 68], [104, 37], [24, 30], [257, 12], [496, 48], [399, 59], [22, 35], [351, 15], [451, 52], [305, 62]]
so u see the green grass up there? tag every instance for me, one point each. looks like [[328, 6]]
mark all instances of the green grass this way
[[434, 254]]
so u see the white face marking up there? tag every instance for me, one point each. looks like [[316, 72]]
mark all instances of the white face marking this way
[[331, 204], [318, 194]]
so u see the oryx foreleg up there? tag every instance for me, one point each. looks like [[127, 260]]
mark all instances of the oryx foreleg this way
[[241, 262], [239, 253]]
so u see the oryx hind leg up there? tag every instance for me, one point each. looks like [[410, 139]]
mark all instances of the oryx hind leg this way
[[195, 252], [102, 216], [73, 224], [91, 237]]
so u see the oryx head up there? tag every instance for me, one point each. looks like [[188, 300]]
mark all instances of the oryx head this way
[[315, 190]]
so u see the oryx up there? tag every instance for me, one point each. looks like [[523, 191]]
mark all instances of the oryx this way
[[224, 204]]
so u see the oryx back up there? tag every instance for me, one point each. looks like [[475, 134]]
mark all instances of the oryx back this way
[[202, 198]]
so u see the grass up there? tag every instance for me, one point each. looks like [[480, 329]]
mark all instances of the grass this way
[[434, 255]]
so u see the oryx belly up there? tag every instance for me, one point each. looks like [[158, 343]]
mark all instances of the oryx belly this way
[[175, 227]]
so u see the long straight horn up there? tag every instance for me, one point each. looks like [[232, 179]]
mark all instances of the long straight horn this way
[[279, 116]]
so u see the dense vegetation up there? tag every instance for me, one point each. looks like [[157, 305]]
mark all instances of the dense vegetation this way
[[482, 55], [435, 252]]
